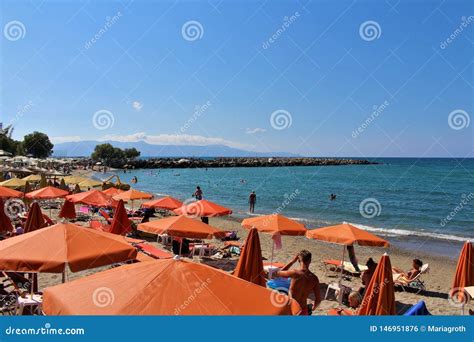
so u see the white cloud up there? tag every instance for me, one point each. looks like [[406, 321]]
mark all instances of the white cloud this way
[[255, 130], [137, 105], [71, 138], [173, 139]]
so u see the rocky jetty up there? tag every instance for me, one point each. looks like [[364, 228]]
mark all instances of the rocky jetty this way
[[185, 163]]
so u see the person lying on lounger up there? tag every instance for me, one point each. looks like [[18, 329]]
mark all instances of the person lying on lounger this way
[[399, 275], [303, 281]]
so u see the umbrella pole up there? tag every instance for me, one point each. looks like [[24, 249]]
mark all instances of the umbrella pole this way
[[32, 284], [64, 275], [180, 247], [340, 277], [271, 259]]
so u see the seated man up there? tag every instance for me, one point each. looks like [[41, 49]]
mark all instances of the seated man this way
[[399, 275], [303, 281], [367, 274]]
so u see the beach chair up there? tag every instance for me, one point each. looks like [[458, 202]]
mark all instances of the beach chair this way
[[83, 213], [97, 225], [105, 216], [416, 283], [152, 251], [335, 266]]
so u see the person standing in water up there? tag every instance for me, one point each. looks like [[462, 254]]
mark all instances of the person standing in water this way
[[198, 193], [252, 201]]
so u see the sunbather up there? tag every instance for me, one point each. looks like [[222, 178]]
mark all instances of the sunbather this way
[[399, 275], [303, 281]]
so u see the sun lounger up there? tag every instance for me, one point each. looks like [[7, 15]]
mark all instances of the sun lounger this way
[[97, 225], [201, 249], [348, 267], [416, 283], [153, 251], [105, 216]]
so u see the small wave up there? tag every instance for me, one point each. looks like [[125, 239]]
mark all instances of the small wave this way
[[403, 232]]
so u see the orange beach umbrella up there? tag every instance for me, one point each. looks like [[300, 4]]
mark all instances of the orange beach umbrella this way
[[464, 276], [165, 287], [275, 223], [9, 193], [250, 264], [182, 226], [121, 225], [35, 219], [47, 193], [68, 211], [379, 298], [203, 208], [5, 222], [168, 203], [112, 191], [93, 197], [52, 248], [131, 195], [346, 234]]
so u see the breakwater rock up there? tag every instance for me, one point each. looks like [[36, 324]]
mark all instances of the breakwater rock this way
[[185, 163]]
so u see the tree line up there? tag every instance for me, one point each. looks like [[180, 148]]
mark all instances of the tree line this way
[[36, 144]]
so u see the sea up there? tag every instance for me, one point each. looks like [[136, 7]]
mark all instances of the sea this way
[[415, 203]]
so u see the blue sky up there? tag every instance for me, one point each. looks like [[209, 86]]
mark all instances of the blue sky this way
[[399, 88]]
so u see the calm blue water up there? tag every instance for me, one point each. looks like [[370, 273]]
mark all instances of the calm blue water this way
[[415, 195]]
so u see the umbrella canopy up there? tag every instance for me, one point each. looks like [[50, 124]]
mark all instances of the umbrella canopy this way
[[168, 203], [93, 197], [250, 265], [74, 179], [9, 193], [68, 210], [14, 183], [47, 193], [379, 298], [112, 191], [202, 208], [275, 223], [464, 275], [121, 225], [131, 195], [51, 249], [5, 222], [35, 219], [346, 234], [90, 183], [32, 178], [181, 226], [165, 287]]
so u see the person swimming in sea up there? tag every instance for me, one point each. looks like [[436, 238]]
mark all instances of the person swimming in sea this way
[[332, 197]]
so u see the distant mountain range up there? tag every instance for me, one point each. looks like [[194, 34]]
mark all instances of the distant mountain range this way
[[85, 148]]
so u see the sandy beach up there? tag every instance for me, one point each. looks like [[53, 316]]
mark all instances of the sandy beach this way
[[438, 280]]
